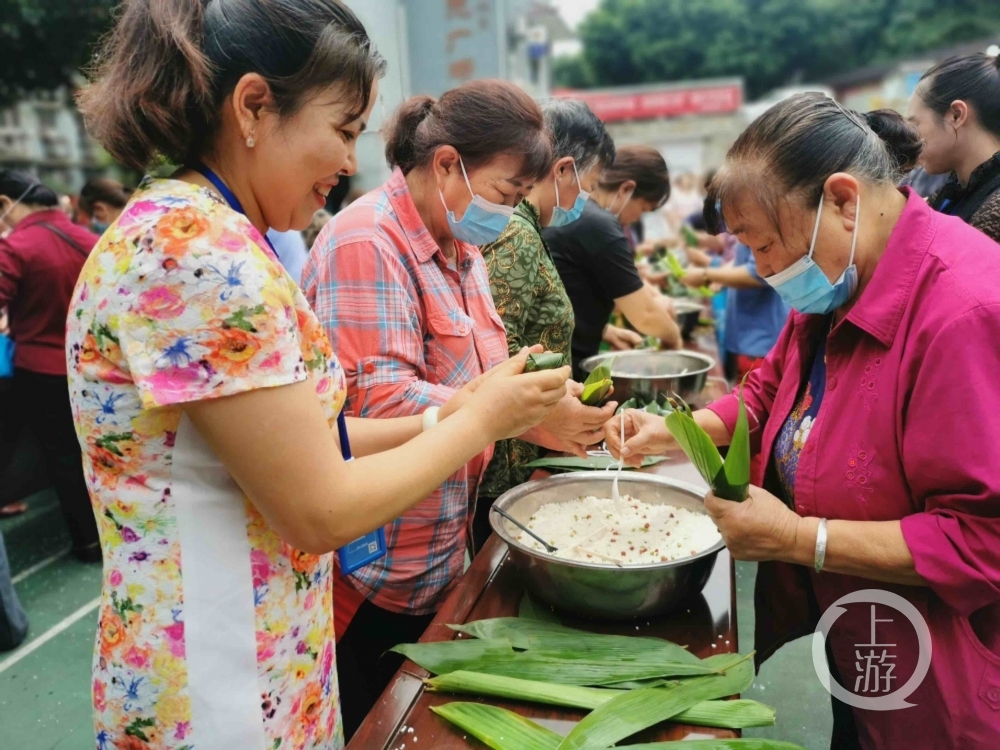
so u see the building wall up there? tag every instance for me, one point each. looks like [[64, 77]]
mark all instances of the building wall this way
[[45, 135], [695, 144]]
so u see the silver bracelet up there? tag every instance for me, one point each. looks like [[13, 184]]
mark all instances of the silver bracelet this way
[[820, 557]]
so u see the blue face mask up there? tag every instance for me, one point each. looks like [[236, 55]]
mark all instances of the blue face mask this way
[[483, 221], [804, 286], [561, 216], [98, 227]]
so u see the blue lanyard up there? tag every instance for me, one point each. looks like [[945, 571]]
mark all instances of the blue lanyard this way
[[232, 200], [234, 203]]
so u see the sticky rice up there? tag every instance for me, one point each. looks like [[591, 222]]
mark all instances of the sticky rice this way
[[631, 532]]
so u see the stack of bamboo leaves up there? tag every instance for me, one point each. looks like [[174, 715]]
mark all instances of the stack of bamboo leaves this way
[[627, 683]]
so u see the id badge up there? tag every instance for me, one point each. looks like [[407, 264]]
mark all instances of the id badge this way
[[365, 549], [361, 551]]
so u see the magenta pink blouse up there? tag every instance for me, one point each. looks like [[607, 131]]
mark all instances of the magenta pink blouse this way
[[909, 429]]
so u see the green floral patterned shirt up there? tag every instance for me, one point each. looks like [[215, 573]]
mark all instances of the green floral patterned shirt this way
[[535, 308]]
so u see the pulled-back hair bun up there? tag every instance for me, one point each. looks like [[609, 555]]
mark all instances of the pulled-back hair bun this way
[[900, 138], [401, 138], [480, 119]]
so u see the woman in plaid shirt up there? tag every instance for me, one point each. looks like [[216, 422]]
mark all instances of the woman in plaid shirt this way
[[403, 293]]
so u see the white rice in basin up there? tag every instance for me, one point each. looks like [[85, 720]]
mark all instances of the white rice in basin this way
[[596, 529]]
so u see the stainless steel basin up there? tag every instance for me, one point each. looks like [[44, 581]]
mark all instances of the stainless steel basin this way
[[648, 374], [603, 590]]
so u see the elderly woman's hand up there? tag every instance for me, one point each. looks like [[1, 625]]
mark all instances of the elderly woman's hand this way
[[760, 528]]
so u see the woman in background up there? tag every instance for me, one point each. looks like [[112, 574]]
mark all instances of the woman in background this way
[[956, 109], [101, 202], [40, 262], [529, 295], [596, 262], [401, 288]]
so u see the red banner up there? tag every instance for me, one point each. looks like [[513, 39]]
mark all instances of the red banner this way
[[613, 106]]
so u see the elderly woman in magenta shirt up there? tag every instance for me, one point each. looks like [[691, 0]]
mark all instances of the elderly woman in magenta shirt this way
[[876, 416]]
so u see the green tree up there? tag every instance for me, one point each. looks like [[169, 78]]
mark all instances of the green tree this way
[[43, 43], [768, 42]]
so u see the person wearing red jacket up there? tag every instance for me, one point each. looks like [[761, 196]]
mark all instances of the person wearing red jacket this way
[[41, 255]]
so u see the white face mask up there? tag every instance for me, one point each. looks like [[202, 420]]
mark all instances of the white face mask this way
[[628, 197]]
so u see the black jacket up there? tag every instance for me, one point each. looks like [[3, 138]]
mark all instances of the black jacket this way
[[978, 203]]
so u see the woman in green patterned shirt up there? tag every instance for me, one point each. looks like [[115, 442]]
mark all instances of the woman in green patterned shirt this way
[[526, 287]]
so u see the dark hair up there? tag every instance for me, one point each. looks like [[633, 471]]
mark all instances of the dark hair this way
[[102, 190], [645, 166], [791, 149], [975, 79], [576, 131], [164, 71], [15, 184], [481, 119]]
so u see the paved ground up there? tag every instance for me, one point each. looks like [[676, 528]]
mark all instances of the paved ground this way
[[44, 685]]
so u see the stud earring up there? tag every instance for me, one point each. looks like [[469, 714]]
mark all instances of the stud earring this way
[[250, 141]]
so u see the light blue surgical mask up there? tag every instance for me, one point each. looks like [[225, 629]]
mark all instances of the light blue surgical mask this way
[[804, 286], [98, 227], [561, 216], [483, 221]]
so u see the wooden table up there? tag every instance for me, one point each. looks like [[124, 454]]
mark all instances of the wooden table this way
[[492, 588]]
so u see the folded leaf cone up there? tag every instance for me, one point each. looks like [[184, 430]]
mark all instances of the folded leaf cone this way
[[544, 361]]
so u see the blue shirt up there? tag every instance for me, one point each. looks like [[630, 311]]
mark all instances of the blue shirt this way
[[291, 250], [754, 317]]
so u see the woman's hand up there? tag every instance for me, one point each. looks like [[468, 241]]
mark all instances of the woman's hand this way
[[462, 396], [576, 425], [620, 339], [645, 435], [760, 528], [695, 278], [509, 401]]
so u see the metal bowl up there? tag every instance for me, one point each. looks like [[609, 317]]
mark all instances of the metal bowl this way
[[688, 311], [647, 374], [603, 590]]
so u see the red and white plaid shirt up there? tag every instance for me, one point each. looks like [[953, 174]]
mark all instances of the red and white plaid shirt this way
[[409, 330]]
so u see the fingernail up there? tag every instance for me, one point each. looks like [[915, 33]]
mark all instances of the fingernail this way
[[626, 451]]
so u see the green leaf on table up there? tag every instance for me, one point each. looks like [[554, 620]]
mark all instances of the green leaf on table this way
[[636, 710], [497, 727], [748, 743], [735, 714]]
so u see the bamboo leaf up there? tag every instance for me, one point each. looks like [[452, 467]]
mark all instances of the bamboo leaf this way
[[450, 656], [556, 640], [513, 688], [636, 710], [729, 480], [695, 442], [736, 714], [594, 393], [747, 743], [737, 464], [497, 727], [544, 361]]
